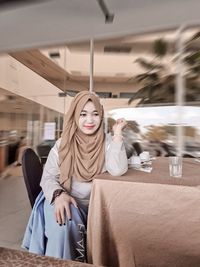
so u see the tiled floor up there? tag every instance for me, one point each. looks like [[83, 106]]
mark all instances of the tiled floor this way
[[14, 210]]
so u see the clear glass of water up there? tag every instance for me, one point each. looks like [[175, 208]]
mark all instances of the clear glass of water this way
[[175, 166]]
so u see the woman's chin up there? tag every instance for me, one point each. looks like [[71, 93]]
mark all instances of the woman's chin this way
[[89, 132]]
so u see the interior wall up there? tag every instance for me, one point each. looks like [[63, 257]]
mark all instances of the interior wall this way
[[11, 121]]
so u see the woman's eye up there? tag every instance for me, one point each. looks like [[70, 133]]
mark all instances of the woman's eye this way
[[83, 114], [96, 114]]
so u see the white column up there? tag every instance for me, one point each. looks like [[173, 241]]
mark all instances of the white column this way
[[91, 64], [180, 92]]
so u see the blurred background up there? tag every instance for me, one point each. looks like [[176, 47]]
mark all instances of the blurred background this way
[[135, 76], [143, 62]]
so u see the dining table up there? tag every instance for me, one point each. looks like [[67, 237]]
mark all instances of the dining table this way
[[146, 219]]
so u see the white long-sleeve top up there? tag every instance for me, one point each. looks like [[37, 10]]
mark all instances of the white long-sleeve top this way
[[116, 164]]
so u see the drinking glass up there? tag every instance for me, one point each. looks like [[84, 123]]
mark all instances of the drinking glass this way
[[175, 166]]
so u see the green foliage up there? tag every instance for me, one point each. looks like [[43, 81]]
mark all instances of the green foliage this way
[[148, 65], [158, 86], [195, 37], [160, 47], [193, 58]]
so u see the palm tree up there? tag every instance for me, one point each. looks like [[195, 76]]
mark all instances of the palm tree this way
[[158, 84]]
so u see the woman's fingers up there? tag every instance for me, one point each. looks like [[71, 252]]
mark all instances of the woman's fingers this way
[[119, 125], [58, 216], [68, 211], [74, 202], [67, 207], [62, 215], [122, 122], [62, 208]]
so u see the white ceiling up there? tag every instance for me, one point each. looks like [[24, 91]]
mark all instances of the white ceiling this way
[[44, 23], [28, 24]]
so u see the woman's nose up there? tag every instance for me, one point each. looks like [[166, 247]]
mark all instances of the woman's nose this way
[[89, 119]]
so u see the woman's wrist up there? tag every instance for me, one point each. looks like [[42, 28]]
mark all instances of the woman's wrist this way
[[118, 137], [57, 193]]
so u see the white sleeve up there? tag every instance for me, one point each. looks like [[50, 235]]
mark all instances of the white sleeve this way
[[116, 159], [51, 173]]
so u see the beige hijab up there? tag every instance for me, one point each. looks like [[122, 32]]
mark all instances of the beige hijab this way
[[81, 155]]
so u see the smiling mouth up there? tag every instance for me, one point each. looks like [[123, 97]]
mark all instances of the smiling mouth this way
[[89, 126]]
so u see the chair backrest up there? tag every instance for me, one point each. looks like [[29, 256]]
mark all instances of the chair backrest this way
[[32, 172], [43, 152]]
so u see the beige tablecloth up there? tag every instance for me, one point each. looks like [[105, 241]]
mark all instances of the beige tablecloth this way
[[146, 219]]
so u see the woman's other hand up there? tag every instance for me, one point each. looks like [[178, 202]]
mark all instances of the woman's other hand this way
[[117, 129], [62, 207]]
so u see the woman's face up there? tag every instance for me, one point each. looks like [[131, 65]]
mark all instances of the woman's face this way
[[89, 119]]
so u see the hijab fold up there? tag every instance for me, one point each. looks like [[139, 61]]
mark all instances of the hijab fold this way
[[81, 155]]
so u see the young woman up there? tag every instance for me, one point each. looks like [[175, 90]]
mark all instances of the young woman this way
[[82, 152]]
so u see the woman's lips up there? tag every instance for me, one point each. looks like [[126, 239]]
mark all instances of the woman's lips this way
[[89, 126]]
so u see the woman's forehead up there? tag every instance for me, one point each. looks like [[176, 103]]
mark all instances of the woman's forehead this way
[[89, 106]]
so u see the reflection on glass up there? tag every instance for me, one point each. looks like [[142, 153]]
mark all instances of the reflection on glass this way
[[22, 125], [156, 128]]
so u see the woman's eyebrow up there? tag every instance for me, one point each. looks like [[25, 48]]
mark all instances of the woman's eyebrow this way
[[87, 111]]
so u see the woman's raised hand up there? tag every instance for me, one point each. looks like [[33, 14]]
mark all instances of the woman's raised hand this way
[[62, 207], [117, 128]]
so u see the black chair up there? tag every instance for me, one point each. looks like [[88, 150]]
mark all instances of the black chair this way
[[44, 148], [32, 172]]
